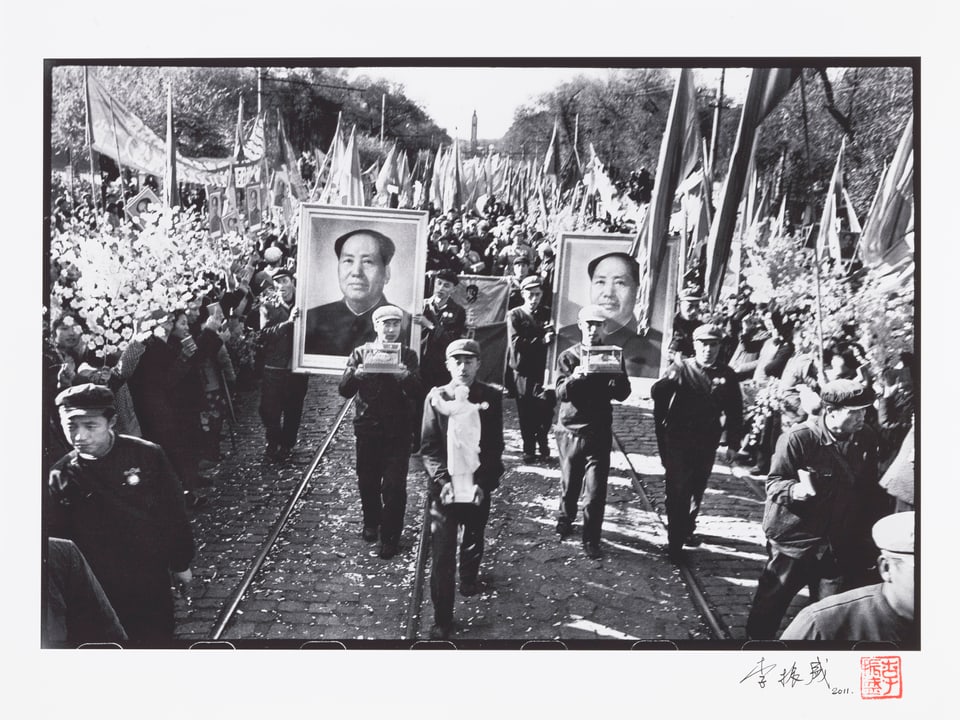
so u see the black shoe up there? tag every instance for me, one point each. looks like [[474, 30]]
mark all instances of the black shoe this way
[[758, 470], [677, 555], [469, 588], [270, 452], [440, 632], [564, 529], [529, 457], [388, 550], [545, 452], [693, 541], [593, 550], [194, 501], [369, 534]]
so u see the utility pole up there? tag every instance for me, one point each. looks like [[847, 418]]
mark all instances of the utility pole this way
[[383, 115], [259, 90], [716, 122]]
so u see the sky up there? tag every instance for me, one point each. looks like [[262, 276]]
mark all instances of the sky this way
[[451, 94]]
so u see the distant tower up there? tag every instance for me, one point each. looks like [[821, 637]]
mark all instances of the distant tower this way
[[473, 133]]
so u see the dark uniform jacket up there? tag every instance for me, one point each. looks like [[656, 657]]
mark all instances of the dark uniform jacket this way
[[276, 335], [386, 404], [682, 339], [689, 400], [585, 400], [526, 350], [334, 329], [859, 614], [433, 448], [125, 512], [449, 324], [848, 496]]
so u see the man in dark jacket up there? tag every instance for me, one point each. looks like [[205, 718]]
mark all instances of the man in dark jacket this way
[[823, 497], [529, 334], [385, 411], [443, 321], [463, 362], [585, 432], [685, 322], [119, 500], [688, 404], [282, 391]]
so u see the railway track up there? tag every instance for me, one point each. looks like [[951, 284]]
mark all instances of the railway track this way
[[356, 599]]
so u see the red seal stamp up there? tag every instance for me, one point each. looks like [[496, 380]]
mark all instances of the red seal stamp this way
[[880, 677]]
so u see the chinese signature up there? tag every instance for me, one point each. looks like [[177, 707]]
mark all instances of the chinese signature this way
[[790, 676]]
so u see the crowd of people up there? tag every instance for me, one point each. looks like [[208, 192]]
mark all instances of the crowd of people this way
[[129, 439]]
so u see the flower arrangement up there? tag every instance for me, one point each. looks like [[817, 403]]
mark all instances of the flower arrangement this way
[[113, 275]]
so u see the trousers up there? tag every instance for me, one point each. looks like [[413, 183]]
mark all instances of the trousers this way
[[382, 463], [281, 404], [584, 468], [687, 465], [782, 578], [445, 521]]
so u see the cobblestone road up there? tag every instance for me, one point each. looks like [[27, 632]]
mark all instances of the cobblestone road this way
[[322, 582]]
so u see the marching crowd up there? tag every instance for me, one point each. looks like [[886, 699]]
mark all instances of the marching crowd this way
[[129, 438]]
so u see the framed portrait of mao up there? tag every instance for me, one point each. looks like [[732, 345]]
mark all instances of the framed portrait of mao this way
[[350, 261]]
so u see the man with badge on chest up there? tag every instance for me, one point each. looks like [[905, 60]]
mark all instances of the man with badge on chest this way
[[118, 499], [688, 404], [443, 321], [529, 334]]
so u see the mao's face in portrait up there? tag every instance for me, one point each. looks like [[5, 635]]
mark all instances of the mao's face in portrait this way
[[362, 272], [614, 289]]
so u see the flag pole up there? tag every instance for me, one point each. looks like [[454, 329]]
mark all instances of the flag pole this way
[[89, 133], [816, 251]]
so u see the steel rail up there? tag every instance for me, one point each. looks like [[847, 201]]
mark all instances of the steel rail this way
[[228, 611], [420, 564], [717, 626]]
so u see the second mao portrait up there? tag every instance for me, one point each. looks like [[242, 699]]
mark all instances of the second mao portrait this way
[[598, 269], [350, 261]]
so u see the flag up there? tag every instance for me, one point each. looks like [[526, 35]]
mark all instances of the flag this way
[[679, 154], [388, 180], [335, 154], [767, 87], [780, 223], [238, 135], [290, 160], [884, 244], [349, 183], [254, 144], [828, 237], [171, 194], [405, 178], [551, 163], [119, 134]]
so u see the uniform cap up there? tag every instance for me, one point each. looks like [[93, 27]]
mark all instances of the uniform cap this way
[[521, 258], [691, 295], [283, 272], [273, 254], [847, 394], [449, 276], [532, 281], [86, 398], [708, 331], [591, 313], [894, 533], [463, 347], [385, 312]]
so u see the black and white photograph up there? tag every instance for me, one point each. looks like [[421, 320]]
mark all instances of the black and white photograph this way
[[622, 356], [350, 262]]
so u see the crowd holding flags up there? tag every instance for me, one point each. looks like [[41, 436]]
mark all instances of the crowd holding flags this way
[[561, 194]]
